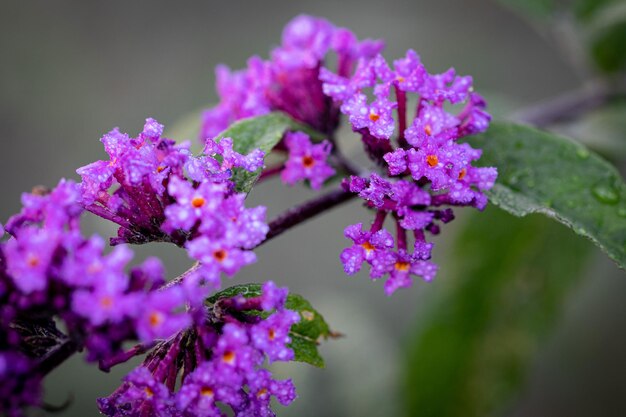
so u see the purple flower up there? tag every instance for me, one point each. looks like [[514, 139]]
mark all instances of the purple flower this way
[[233, 355], [306, 161], [202, 390], [404, 266], [218, 256], [306, 40], [162, 314], [410, 74], [396, 161], [21, 387], [262, 388], [273, 297], [446, 86], [192, 204], [376, 117], [376, 191], [107, 300], [441, 165], [241, 95], [142, 394], [271, 335], [57, 208], [474, 118], [371, 247], [29, 256]]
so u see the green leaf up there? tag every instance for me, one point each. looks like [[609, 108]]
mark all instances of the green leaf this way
[[263, 132], [545, 173], [608, 48], [476, 340], [305, 335]]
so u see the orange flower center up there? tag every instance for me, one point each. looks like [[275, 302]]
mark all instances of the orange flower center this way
[[32, 261], [402, 266], [432, 160], [206, 391], [229, 357], [155, 319], [374, 117], [462, 174], [197, 202], [367, 246], [428, 130], [106, 302], [149, 392], [271, 334], [261, 392], [220, 255], [400, 79], [308, 161]]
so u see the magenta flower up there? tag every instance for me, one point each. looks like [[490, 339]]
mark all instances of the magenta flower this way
[[262, 388], [192, 203], [403, 268], [29, 256], [370, 247], [306, 160], [273, 297], [162, 314], [376, 117], [271, 336], [217, 257]]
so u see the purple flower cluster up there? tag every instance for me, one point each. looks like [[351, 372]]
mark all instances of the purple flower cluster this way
[[426, 168], [219, 361], [427, 151], [156, 190], [49, 270], [289, 81]]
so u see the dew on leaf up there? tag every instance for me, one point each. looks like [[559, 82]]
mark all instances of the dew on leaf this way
[[605, 194], [582, 153]]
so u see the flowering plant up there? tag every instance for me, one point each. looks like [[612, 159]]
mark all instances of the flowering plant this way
[[207, 349]]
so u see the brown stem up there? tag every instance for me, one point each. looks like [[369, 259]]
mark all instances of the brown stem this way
[[305, 211]]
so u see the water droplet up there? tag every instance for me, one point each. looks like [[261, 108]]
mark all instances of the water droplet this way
[[605, 194], [580, 231], [582, 153]]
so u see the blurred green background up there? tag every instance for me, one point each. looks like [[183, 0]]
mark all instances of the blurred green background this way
[[71, 70]]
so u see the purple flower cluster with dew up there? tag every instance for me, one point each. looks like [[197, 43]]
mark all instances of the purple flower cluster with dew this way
[[425, 169], [216, 363], [289, 81], [49, 270], [156, 190]]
